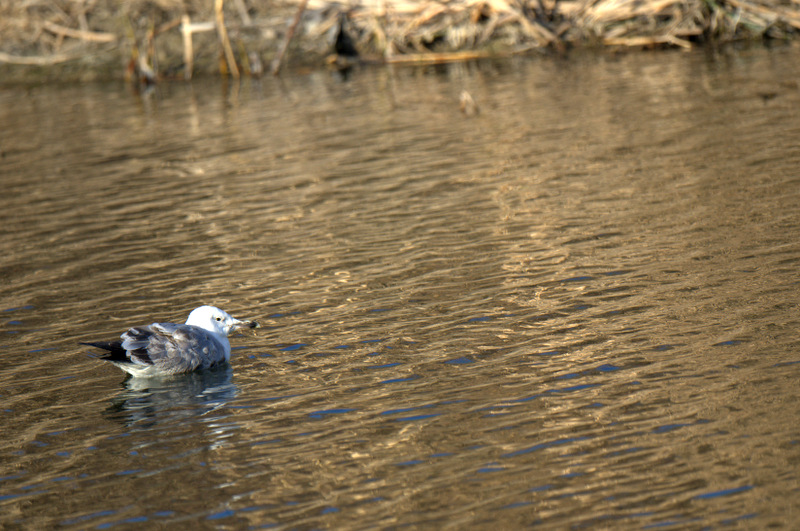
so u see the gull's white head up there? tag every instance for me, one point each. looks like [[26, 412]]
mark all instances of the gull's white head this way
[[217, 321]]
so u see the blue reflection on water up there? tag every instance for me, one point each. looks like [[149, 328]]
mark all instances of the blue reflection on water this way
[[85, 517], [670, 427], [220, 515], [327, 412], [296, 346], [460, 361], [725, 492]]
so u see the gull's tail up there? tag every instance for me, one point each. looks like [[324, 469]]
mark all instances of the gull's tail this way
[[114, 349]]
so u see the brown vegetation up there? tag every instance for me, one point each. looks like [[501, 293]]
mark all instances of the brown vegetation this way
[[176, 37]]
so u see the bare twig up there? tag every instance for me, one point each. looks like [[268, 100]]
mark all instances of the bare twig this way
[[276, 63], [93, 36], [187, 29], [223, 37], [243, 14], [188, 49], [40, 60], [436, 58]]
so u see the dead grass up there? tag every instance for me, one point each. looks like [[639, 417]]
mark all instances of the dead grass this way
[[152, 33]]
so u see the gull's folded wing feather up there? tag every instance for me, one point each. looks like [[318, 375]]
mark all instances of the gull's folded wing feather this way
[[172, 348]]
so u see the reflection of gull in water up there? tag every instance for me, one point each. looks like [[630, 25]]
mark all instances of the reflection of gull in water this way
[[195, 399], [162, 349]]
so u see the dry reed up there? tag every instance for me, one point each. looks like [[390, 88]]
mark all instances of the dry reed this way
[[167, 35]]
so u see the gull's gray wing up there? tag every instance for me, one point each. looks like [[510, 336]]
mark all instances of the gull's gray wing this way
[[172, 348]]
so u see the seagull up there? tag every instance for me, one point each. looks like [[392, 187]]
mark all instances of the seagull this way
[[163, 349]]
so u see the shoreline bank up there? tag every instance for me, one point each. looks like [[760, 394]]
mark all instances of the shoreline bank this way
[[151, 40]]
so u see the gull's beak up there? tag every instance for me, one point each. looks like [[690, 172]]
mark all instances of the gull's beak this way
[[237, 324]]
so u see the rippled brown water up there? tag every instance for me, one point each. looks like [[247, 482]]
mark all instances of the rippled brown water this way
[[578, 308]]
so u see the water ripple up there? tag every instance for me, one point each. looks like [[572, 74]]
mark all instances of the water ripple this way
[[577, 309]]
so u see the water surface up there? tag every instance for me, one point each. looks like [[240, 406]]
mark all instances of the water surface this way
[[578, 308]]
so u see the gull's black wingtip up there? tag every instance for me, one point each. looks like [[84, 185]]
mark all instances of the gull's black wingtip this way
[[114, 349]]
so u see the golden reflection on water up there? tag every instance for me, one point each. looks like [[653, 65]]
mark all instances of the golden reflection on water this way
[[573, 308]]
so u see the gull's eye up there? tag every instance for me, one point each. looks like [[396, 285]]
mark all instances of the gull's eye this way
[[218, 318]]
